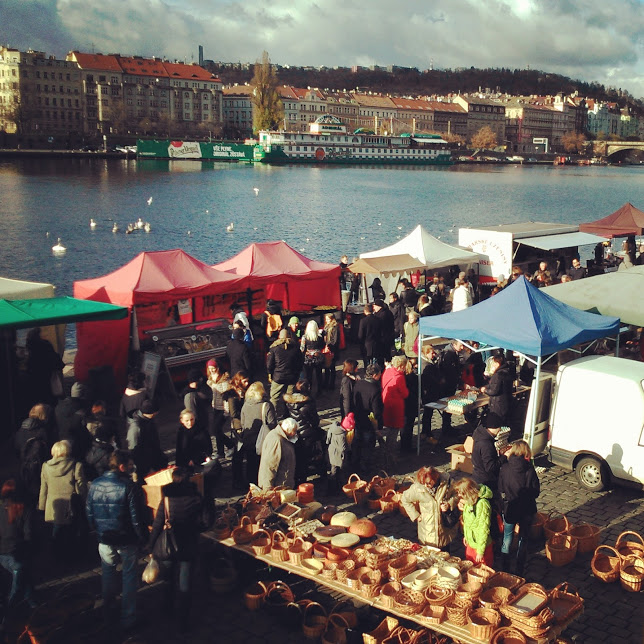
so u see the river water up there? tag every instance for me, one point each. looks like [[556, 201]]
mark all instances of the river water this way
[[323, 212]]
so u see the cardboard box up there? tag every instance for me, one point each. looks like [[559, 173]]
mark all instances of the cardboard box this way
[[461, 460], [154, 483]]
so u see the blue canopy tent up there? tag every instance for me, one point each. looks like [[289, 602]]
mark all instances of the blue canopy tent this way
[[525, 319]]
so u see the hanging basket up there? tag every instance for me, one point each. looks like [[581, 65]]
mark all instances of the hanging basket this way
[[561, 549], [314, 621], [587, 536], [605, 564], [555, 525], [631, 574], [627, 548], [483, 622]]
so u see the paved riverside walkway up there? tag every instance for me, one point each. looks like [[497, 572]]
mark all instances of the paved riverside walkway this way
[[611, 614]]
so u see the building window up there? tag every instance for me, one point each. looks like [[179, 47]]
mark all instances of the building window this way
[[114, 79]]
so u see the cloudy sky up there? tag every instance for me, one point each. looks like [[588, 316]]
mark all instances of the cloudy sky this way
[[600, 40]]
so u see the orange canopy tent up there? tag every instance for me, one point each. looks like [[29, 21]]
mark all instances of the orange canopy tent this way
[[628, 220], [153, 277], [285, 275]]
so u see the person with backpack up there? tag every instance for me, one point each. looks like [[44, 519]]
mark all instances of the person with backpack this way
[[271, 321]]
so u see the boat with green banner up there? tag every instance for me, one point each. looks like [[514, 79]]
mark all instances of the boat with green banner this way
[[203, 150], [329, 142]]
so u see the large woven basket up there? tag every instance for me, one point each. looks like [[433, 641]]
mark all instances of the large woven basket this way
[[495, 597], [631, 573], [605, 564], [254, 595], [626, 548], [279, 547], [555, 525], [409, 602], [402, 566], [587, 536], [507, 635], [561, 549], [355, 488], [564, 602], [314, 620], [261, 542], [388, 592], [483, 622], [388, 625]]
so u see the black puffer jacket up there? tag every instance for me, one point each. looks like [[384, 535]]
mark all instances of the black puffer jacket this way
[[367, 398], [346, 394], [114, 510], [284, 361], [486, 461], [499, 389], [30, 428], [97, 459], [519, 487], [304, 410], [185, 504]]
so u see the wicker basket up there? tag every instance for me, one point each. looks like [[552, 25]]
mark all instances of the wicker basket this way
[[382, 484], [243, 533], [375, 556], [254, 595], [631, 574], [344, 568], [480, 573], [261, 542], [507, 635], [314, 620], [355, 488], [437, 596], [298, 550], [536, 529], [587, 536], [335, 631], [409, 602], [606, 566], [555, 525], [535, 626], [469, 591], [561, 549], [221, 528], [278, 596], [388, 502], [505, 580], [433, 614], [626, 548], [279, 547], [373, 501], [483, 622], [457, 611], [353, 578], [347, 610], [388, 592], [402, 566], [388, 625], [564, 602], [370, 583], [495, 597]]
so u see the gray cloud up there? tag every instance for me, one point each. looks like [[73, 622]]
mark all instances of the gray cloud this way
[[587, 39]]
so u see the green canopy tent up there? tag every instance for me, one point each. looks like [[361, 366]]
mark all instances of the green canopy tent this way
[[24, 314]]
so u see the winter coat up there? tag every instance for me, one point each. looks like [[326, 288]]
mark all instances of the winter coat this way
[[367, 398], [131, 401], [336, 439], [346, 394], [199, 402], [397, 309], [59, 479], [185, 505], [369, 334], [461, 298], [31, 428], [519, 488], [499, 389], [394, 393], [450, 370], [430, 382], [114, 507], [97, 459], [233, 404], [411, 402], [303, 409], [332, 337], [435, 528], [387, 327], [486, 461], [277, 464], [284, 361], [411, 335], [254, 414], [144, 444], [239, 356], [477, 521], [193, 445], [218, 389], [409, 296], [15, 537], [71, 414]]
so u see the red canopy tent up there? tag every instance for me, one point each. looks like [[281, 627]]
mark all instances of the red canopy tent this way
[[286, 275], [152, 278], [628, 220]]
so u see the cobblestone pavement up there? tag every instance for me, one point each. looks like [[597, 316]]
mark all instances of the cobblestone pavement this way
[[611, 614]]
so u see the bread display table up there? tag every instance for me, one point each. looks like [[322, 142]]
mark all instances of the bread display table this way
[[457, 633]]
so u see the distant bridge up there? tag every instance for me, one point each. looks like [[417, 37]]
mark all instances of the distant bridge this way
[[608, 148]]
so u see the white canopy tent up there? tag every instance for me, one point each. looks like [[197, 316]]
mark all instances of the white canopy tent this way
[[430, 253], [620, 294]]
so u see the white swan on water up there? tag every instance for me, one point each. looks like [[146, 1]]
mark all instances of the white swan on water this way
[[230, 227], [58, 247], [115, 228], [147, 227], [92, 224], [256, 191], [150, 201]]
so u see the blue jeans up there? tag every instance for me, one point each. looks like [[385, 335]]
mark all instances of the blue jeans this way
[[110, 557], [184, 569], [20, 582], [508, 534]]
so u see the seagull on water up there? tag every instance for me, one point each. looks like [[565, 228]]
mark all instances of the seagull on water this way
[[92, 224], [150, 201], [58, 247], [230, 227], [115, 228], [379, 223], [256, 191], [147, 227]]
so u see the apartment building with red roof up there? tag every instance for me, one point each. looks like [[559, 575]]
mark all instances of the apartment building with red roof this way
[[483, 112], [418, 115]]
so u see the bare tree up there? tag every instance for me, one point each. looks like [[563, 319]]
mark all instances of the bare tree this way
[[17, 111], [573, 142], [269, 109]]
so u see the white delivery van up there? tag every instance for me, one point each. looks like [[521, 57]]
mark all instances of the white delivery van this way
[[595, 424]]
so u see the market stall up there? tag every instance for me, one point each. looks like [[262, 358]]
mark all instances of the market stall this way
[[625, 221], [524, 319], [299, 283], [178, 309]]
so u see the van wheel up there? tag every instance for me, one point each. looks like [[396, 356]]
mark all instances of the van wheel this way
[[591, 474]]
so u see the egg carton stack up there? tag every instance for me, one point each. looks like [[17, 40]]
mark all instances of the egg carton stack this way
[[458, 405], [501, 441]]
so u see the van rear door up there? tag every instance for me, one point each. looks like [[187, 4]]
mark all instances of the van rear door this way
[[542, 427]]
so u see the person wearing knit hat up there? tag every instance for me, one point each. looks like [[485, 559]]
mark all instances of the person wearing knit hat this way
[[219, 383], [143, 440], [294, 330]]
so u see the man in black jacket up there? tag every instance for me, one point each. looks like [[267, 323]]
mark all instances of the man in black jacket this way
[[369, 335], [71, 415], [499, 389], [367, 400], [486, 461], [387, 334], [239, 355], [283, 363], [451, 371], [197, 398], [397, 309], [114, 511]]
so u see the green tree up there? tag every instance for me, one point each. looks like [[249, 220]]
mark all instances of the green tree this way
[[484, 139], [268, 109]]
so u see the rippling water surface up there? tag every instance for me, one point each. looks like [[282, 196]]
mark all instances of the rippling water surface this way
[[322, 212]]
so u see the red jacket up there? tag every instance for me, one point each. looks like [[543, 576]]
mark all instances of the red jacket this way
[[394, 392]]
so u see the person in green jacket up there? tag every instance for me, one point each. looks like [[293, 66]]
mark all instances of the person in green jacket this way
[[475, 504]]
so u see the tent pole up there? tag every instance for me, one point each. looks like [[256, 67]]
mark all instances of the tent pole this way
[[535, 398], [366, 290], [420, 399], [617, 345]]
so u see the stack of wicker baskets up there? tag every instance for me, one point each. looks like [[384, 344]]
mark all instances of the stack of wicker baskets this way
[[624, 562]]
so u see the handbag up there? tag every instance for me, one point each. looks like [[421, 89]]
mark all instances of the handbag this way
[[165, 547], [327, 354]]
